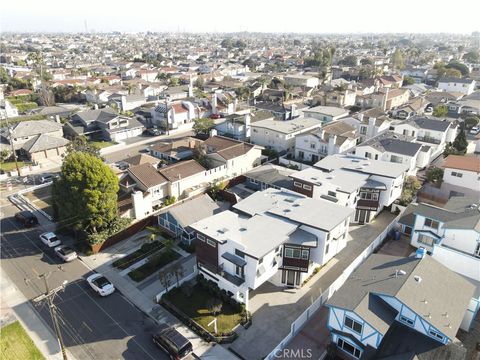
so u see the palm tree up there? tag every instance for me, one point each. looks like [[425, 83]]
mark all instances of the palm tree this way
[[177, 270], [165, 278]]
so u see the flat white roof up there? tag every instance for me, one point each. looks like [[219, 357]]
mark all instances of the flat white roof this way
[[288, 126], [327, 110], [256, 236], [362, 165], [345, 180], [317, 213]]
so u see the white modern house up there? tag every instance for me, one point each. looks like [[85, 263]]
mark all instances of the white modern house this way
[[462, 171], [362, 184], [301, 80], [178, 114], [333, 138], [459, 85], [280, 135], [435, 134], [369, 123], [451, 234], [396, 148], [273, 235], [396, 307]]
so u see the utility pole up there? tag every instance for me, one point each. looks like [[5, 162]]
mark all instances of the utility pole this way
[[166, 115], [49, 294]]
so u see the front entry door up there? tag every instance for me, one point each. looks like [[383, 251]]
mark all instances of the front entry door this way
[[290, 278], [362, 216]]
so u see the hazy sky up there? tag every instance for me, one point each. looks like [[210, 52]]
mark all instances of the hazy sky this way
[[315, 16]]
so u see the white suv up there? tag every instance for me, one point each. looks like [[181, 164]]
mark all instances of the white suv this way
[[50, 239]]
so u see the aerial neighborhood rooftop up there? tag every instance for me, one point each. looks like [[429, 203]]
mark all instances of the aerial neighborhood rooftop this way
[[241, 195]]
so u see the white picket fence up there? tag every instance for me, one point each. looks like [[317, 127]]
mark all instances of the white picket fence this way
[[300, 322]]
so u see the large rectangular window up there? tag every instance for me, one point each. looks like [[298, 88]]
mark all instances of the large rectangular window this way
[[349, 348], [352, 324], [426, 240]]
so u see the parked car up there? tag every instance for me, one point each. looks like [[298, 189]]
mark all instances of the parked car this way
[[122, 165], [153, 132], [428, 110], [65, 253], [172, 342], [475, 130], [145, 150], [47, 178], [26, 218], [50, 239], [215, 116], [100, 284]]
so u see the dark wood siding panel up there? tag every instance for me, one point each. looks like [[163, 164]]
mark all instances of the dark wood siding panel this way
[[301, 189], [207, 254]]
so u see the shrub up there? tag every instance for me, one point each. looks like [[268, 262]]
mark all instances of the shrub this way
[[153, 264]]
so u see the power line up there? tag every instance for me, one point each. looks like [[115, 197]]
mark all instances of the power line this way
[[49, 294]]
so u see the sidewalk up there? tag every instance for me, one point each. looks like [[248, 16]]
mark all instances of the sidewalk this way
[[35, 327], [145, 299]]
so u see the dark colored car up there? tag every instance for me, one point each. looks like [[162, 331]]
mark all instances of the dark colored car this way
[[215, 116], [153, 132], [172, 342], [26, 218]]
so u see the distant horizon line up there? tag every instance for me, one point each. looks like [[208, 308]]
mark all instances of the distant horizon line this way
[[93, 32]]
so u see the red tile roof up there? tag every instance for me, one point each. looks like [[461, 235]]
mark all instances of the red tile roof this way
[[468, 163]]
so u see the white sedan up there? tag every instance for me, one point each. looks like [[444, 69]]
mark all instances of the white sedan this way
[[100, 284], [65, 253], [50, 239]]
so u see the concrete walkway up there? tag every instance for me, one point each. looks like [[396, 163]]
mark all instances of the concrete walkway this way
[[274, 309]]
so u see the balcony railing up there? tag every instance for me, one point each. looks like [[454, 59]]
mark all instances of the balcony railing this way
[[428, 139]]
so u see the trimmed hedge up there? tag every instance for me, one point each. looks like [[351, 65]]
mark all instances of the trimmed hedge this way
[[147, 249], [156, 262]]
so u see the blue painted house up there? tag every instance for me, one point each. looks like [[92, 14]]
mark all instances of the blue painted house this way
[[389, 294], [177, 219]]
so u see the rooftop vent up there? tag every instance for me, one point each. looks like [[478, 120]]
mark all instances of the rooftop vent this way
[[222, 230], [419, 280], [242, 229], [286, 210], [296, 205]]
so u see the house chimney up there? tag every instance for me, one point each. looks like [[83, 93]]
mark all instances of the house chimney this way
[[331, 144], [293, 111], [190, 87], [371, 121], [214, 103], [213, 132], [57, 118], [95, 106], [360, 117]]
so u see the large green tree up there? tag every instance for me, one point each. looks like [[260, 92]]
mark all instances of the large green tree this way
[[398, 60], [202, 125], [85, 195], [460, 143], [81, 144], [440, 110]]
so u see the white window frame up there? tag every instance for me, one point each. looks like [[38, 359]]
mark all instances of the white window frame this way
[[355, 349], [435, 334], [297, 184], [201, 237], [211, 243], [307, 187], [353, 324]]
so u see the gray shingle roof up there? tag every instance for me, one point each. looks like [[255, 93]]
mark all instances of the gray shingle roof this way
[[443, 290], [430, 124], [194, 210], [458, 213], [44, 142], [35, 127], [101, 115], [394, 143], [272, 174]]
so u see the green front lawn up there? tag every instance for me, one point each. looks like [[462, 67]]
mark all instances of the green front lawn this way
[[155, 263], [16, 344], [195, 306], [103, 144], [10, 165]]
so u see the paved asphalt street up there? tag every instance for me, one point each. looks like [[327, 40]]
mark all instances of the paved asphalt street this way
[[93, 327]]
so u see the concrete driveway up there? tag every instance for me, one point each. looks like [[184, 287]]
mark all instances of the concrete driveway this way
[[274, 308]]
